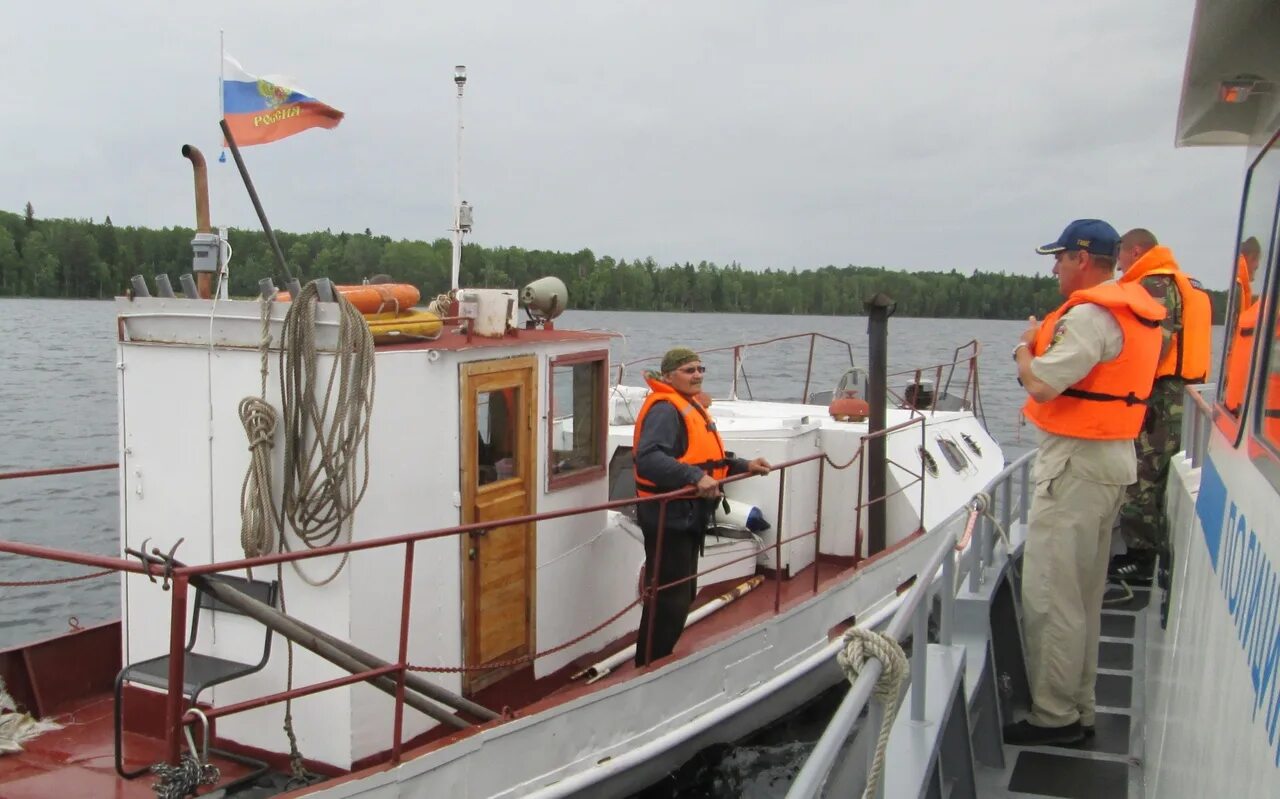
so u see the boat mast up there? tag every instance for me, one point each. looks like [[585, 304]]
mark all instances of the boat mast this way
[[460, 80]]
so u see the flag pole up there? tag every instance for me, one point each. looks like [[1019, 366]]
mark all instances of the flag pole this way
[[257, 204]]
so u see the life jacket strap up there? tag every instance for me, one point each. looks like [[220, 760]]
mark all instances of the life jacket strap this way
[[1129, 399]]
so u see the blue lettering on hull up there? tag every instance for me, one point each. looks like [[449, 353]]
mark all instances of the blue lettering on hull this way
[[1251, 587]]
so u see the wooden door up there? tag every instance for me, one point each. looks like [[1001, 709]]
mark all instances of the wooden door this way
[[499, 406]]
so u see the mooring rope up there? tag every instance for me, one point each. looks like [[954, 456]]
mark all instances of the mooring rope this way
[[326, 450], [860, 645], [258, 518]]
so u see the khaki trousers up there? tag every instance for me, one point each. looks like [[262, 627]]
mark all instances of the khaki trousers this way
[[1064, 576]]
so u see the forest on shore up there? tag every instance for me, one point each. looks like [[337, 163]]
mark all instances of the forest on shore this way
[[84, 258]]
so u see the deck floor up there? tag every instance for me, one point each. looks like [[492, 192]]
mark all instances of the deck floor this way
[[1109, 765], [79, 759]]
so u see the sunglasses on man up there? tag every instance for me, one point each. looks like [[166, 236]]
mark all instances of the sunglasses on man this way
[[692, 369]]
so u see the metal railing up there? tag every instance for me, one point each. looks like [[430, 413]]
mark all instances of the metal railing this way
[[738, 368], [1197, 420], [914, 611], [179, 579]]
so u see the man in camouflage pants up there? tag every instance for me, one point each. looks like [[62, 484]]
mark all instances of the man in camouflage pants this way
[[1183, 360]]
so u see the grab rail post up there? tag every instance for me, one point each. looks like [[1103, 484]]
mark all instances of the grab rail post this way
[[654, 581], [1006, 502], [777, 543], [808, 371], [948, 598], [737, 363], [397, 739], [1026, 491], [919, 652], [177, 650], [817, 528], [977, 546]]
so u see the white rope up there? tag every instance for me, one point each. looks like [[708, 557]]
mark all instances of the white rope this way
[[860, 645], [16, 727]]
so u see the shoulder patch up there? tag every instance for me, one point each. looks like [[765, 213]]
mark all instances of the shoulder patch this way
[[1195, 283], [1059, 331]]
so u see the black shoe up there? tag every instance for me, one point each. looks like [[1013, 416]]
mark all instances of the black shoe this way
[[1024, 733], [1136, 565], [1088, 730]]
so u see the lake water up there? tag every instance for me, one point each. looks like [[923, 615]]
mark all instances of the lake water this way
[[58, 408]]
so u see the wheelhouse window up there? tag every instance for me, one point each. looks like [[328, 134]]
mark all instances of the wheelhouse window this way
[[577, 418], [1254, 251], [1268, 416]]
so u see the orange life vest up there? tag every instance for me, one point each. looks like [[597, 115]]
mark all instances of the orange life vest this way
[[1245, 292], [705, 450], [1239, 357], [1271, 410], [1111, 401], [1188, 357]]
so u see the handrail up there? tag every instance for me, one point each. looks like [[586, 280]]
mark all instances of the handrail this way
[[813, 774], [181, 577], [1197, 420], [737, 349], [97, 467]]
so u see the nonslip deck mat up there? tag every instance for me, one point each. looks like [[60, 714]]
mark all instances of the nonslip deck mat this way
[[1114, 690], [1112, 655], [1118, 625], [1069, 777], [1111, 736]]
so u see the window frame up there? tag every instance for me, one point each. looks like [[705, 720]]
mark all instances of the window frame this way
[[1263, 452], [1228, 423], [600, 469]]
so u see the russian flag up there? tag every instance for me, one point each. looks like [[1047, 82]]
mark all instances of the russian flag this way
[[266, 109]]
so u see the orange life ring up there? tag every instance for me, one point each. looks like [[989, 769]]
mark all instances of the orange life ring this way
[[375, 297]]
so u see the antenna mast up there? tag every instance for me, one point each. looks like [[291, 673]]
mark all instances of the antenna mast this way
[[461, 211]]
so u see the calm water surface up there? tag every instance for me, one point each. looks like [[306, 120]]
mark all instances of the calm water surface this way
[[58, 408]]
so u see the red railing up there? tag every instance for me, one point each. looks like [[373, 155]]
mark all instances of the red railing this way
[[738, 368], [180, 577]]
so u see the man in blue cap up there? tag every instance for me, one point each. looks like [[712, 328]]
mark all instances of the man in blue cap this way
[[1088, 369]]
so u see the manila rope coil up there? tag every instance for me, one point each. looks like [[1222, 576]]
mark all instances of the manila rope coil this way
[[320, 492], [860, 645]]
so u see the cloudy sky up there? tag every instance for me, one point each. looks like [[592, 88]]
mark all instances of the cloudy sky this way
[[908, 134]]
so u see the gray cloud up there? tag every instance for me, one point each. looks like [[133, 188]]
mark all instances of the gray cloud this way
[[916, 134]]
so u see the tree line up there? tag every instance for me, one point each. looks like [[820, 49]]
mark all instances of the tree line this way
[[84, 258]]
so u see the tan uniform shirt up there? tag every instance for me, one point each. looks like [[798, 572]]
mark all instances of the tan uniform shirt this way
[[1085, 336]]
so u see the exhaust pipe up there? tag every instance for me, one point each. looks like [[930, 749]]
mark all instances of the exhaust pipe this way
[[204, 280]]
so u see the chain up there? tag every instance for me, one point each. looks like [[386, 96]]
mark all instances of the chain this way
[[57, 581], [500, 664]]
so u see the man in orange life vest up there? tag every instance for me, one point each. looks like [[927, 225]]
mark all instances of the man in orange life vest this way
[[676, 445], [1088, 370], [1184, 358]]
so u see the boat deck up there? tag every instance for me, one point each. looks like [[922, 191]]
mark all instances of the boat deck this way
[[78, 760], [1109, 765]]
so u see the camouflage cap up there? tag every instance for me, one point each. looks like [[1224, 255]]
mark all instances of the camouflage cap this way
[[675, 358]]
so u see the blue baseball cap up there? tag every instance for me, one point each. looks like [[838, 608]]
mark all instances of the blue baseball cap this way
[[1090, 235]]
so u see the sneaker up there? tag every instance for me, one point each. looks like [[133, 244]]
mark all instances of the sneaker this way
[[1024, 733], [1088, 730], [1134, 565]]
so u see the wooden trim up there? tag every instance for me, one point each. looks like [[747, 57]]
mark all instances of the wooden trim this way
[[518, 372], [556, 482]]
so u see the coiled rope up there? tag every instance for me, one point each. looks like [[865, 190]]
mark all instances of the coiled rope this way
[[860, 645], [258, 518], [326, 450], [326, 441]]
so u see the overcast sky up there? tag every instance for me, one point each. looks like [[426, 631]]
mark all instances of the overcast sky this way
[[908, 134]]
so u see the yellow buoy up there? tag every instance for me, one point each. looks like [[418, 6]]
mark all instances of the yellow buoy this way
[[395, 328]]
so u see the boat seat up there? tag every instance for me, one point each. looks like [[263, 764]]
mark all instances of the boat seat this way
[[199, 671]]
